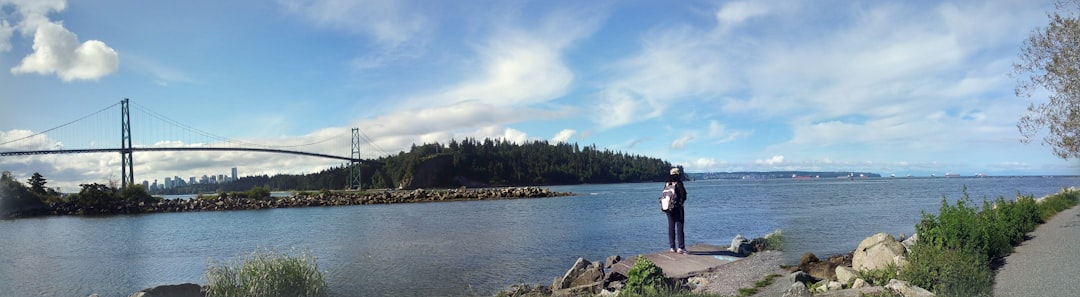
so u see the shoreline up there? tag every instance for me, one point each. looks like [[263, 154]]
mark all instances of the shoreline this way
[[296, 200]]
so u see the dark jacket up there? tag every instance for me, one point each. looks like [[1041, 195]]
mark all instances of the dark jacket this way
[[680, 190]]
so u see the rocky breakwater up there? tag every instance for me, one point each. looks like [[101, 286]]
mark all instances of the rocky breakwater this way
[[303, 199], [843, 275]]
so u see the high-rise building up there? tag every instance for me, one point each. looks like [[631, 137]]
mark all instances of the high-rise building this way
[[191, 180], [234, 174], [168, 183]]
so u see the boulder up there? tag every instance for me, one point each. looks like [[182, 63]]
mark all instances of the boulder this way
[[582, 277], [910, 241], [846, 274], [906, 289], [859, 283], [877, 252], [181, 290], [797, 289], [611, 260], [740, 245], [834, 285], [799, 277]]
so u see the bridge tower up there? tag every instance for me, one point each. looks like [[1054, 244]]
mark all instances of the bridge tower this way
[[126, 163], [355, 180]]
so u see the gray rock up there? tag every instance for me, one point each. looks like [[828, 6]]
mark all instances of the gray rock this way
[[181, 290], [910, 241], [906, 289], [877, 252], [834, 285], [846, 274], [797, 289], [859, 284], [583, 277], [611, 260], [740, 245], [799, 277]]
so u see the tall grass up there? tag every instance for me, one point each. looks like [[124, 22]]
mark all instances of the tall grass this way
[[266, 273]]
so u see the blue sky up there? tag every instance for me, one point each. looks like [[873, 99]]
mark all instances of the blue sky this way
[[912, 87]]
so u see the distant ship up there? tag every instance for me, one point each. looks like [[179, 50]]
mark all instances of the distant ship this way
[[952, 175], [799, 177]]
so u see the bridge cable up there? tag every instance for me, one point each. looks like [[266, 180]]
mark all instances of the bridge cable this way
[[61, 126]]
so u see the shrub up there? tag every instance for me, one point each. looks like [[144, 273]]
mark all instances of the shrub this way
[[880, 277], [266, 273], [644, 279], [948, 272]]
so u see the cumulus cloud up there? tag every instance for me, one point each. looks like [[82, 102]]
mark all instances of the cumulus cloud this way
[[563, 136], [775, 160], [56, 50]]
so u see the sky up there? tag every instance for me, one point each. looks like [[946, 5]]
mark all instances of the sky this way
[[891, 87]]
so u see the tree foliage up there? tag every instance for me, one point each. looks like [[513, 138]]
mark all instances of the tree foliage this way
[[1050, 60], [470, 163], [16, 199]]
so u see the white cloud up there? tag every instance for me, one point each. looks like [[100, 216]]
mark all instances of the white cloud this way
[[775, 160], [734, 13], [563, 136], [390, 22], [5, 36], [57, 50], [680, 143]]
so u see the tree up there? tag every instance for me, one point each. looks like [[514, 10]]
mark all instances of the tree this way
[[1050, 60], [37, 184]]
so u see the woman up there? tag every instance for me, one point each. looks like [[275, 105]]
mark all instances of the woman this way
[[676, 217]]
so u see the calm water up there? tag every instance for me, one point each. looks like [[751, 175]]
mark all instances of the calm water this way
[[453, 248]]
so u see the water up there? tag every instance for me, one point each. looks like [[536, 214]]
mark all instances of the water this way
[[460, 248]]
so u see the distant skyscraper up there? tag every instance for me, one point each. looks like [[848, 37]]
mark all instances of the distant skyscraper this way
[[234, 174]]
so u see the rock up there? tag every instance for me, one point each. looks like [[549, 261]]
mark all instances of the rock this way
[[582, 277], [820, 287], [846, 274], [740, 245], [797, 289], [910, 241], [611, 260], [799, 277], [859, 283], [876, 252], [822, 270], [806, 259], [906, 289], [834, 285], [181, 290]]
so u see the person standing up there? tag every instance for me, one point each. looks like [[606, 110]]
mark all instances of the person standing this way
[[676, 217]]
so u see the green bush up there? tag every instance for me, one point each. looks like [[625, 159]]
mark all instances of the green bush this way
[[645, 279], [955, 247], [948, 272], [880, 277], [266, 273]]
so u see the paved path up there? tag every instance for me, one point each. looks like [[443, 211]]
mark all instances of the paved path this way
[[1047, 265], [702, 258]]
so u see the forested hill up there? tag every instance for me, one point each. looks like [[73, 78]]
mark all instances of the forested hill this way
[[477, 163]]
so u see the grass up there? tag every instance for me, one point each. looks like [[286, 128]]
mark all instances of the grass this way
[[745, 292], [266, 273]]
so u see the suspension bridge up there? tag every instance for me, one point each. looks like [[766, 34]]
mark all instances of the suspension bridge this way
[[89, 133]]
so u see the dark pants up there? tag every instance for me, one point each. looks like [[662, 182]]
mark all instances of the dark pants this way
[[675, 219]]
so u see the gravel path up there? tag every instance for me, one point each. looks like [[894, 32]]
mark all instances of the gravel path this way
[[1046, 265], [726, 280]]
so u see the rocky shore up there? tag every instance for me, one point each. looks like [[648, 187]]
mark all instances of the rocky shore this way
[[304, 199]]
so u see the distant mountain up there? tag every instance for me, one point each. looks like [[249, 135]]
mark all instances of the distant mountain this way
[[780, 174]]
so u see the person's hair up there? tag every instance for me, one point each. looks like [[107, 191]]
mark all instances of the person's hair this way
[[674, 177]]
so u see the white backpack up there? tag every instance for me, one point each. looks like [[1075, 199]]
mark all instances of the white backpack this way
[[668, 197]]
